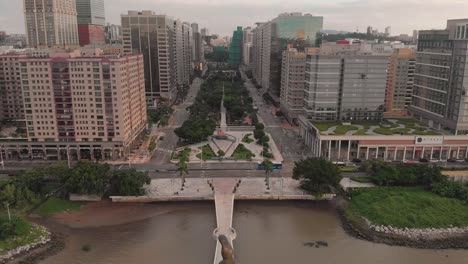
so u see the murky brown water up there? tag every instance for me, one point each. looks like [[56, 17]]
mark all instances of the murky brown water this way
[[271, 233]]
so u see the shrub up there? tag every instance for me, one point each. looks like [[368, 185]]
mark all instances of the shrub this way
[[16, 227]]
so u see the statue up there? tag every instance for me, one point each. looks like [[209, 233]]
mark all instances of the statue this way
[[227, 251]]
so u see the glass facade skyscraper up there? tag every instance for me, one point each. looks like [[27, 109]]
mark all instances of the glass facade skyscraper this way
[[235, 49], [272, 38]]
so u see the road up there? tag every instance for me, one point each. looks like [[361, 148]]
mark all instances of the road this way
[[288, 140], [165, 147]]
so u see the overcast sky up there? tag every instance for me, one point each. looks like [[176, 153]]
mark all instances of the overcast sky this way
[[222, 16]]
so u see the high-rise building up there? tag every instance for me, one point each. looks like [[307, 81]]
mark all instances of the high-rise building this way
[[400, 82], [388, 31], [11, 104], [247, 40], [113, 34], [235, 48], [204, 32], [183, 53], [439, 96], [91, 21], [198, 54], [153, 36], [81, 103], [345, 87], [292, 83], [272, 38], [51, 23]]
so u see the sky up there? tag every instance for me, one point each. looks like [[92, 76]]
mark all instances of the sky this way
[[223, 16]]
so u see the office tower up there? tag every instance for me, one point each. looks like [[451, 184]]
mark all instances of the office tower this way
[[91, 21], [292, 83], [183, 53], [439, 95], [235, 48], [247, 41], [113, 34], [272, 38], [153, 36], [400, 82], [345, 87], [51, 23], [198, 55]]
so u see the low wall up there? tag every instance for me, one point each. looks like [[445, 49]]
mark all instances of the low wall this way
[[260, 197], [146, 199], [85, 198]]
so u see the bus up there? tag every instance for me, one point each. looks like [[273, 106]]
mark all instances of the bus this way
[[276, 166]]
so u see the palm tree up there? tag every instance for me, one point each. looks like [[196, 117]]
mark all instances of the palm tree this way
[[268, 167], [182, 168]]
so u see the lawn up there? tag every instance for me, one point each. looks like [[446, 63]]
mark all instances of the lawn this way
[[360, 133], [25, 233], [343, 129], [242, 153], [366, 124], [247, 139], [56, 205], [349, 169], [324, 126], [409, 207], [208, 153], [362, 179], [178, 155]]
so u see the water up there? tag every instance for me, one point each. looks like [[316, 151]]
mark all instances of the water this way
[[268, 233]]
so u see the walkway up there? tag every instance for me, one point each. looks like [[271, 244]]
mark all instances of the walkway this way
[[223, 114], [224, 203]]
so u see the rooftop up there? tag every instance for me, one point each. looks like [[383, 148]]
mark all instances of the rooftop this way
[[392, 126]]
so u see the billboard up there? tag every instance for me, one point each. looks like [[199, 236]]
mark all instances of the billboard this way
[[429, 140]]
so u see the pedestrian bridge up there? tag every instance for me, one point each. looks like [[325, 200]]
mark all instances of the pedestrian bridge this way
[[223, 191]]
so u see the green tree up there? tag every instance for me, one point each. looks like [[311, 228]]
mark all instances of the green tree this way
[[89, 178], [7, 197], [264, 140], [268, 168], [258, 134], [317, 176], [182, 168], [129, 183]]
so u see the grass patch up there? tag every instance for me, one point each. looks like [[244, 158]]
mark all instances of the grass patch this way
[[360, 133], [55, 205], [247, 139], [178, 155], [426, 133], [362, 179], [343, 129], [19, 232], [208, 153], [324, 126], [409, 207], [366, 124], [349, 169], [242, 153]]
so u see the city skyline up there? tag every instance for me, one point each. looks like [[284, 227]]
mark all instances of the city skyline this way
[[337, 13]]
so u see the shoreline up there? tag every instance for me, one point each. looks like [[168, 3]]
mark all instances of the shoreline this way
[[356, 226]]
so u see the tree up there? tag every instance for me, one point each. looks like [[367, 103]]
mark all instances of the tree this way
[[263, 140], [129, 183], [7, 197], [89, 178], [221, 153], [268, 167], [182, 168], [317, 176], [258, 134]]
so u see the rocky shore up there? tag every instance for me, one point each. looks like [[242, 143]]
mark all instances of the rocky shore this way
[[429, 238], [43, 240]]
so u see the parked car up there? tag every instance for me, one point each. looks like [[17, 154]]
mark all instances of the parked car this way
[[452, 160]]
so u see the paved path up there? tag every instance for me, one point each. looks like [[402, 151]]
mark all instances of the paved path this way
[[224, 203]]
